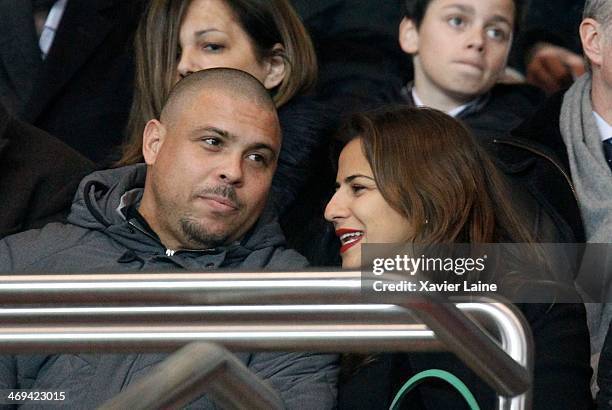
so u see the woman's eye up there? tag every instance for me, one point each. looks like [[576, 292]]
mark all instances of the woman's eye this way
[[357, 188], [212, 47], [455, 21]]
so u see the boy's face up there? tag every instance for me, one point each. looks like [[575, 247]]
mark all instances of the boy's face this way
[[460, 49]]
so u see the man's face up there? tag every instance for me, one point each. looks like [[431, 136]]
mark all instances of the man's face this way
[[602, 75], [210, 173], [460, 48]]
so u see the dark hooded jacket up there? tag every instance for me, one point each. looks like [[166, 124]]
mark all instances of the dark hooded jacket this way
[[101, 238]]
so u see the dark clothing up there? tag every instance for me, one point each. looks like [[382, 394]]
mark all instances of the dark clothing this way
[[561, 376], [551, 21], [542, 130], [304, 178], [356, 44], [82, 92], [102, 237], [542, 127], [504, 108], [38, 178], [306, 126], [493, 114]]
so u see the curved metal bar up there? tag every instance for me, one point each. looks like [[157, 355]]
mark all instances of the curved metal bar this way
[[462, 337], [458, 333], [194, 370], [513, 334]]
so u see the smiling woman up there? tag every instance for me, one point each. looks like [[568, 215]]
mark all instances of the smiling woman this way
[[411, 175], [357, 206], [417, 175]]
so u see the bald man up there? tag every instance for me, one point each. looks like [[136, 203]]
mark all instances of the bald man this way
[[198, 204]]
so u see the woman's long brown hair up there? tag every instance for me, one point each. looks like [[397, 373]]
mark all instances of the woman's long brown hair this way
[[430, 168]]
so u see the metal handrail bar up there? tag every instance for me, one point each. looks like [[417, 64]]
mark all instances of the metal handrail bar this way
[[457, 332], [229, 288], [194, 370], [512, 329], [370, 313], [373, 339]]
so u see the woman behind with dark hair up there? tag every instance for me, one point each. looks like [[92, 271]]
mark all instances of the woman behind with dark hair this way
[[262, 37], [418, 176]]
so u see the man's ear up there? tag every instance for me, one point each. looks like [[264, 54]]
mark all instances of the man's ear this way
[[593, 40], [409, 36], [152, 140], [275, 67]]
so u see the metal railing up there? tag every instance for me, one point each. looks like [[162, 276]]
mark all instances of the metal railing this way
[[197, 369], [258, 311]]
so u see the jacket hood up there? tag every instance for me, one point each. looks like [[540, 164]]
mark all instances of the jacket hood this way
[[102, 197], [97, 202]]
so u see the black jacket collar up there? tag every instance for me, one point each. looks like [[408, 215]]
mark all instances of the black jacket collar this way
[[5, 119], [543, 128]]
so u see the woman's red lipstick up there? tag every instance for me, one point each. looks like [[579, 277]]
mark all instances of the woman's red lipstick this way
[[348, 238]]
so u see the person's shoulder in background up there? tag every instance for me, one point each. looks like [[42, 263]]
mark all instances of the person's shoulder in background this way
[[38, 176]]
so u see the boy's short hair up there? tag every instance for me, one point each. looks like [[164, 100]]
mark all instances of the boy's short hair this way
[[415, 10]]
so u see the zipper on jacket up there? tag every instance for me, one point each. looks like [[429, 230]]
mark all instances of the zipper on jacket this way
[[143, 231], [169, 252], [547, 157]]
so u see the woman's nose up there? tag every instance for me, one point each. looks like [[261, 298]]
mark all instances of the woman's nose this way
[[186, 65], [336, 208]]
